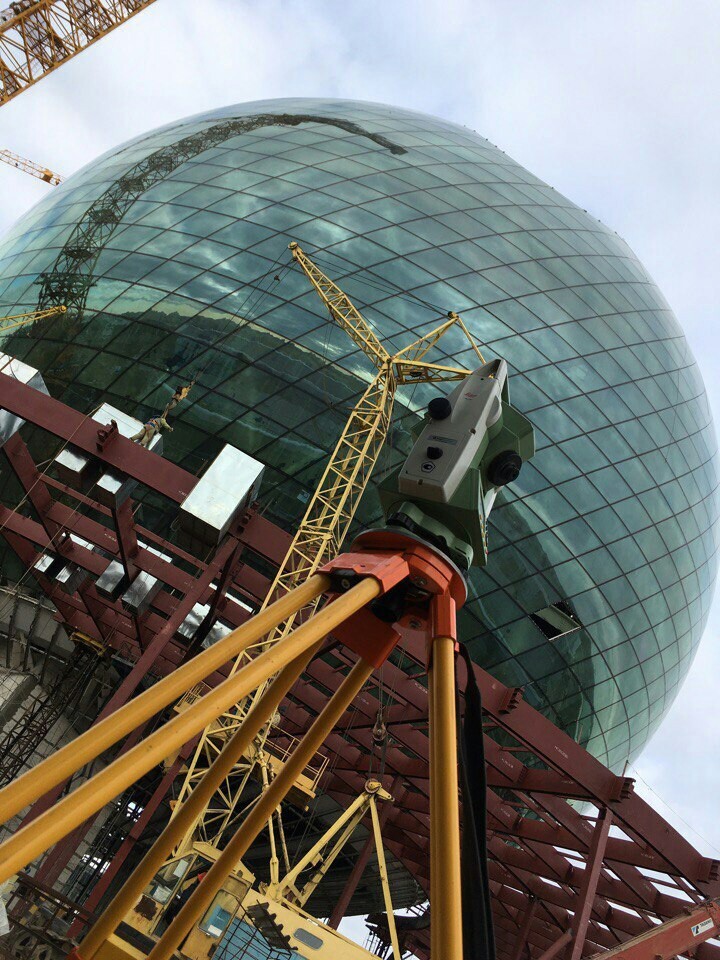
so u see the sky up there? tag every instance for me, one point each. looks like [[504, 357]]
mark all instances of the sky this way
[[613, 103]]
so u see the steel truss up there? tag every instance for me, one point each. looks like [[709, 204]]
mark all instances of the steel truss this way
[[89, 535], [30, 167], [38, 36]]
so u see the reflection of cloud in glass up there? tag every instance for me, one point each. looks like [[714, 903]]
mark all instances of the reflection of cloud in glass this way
[[616, 515]]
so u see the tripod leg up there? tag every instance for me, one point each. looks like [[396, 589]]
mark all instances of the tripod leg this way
[[173, 833], [203, 896], [22, 847], [445, 882], [432, 738]]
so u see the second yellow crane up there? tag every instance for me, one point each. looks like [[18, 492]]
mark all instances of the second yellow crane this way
[[29, 166]]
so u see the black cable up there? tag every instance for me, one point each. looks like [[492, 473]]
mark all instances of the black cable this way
[[478, 934]]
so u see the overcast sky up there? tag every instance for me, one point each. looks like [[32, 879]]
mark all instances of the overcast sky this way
[[613, 103]]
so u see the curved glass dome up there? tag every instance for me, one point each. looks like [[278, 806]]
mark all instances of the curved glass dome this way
[[172, 254]]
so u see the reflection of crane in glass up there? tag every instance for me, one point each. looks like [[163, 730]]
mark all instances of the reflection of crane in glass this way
[[28, 166], [38, 36], [330, 512], [20, 319]]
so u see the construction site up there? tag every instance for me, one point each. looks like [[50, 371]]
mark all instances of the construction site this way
[[358, 527]]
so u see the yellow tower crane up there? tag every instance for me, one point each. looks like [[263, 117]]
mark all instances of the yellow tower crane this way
[[20, 319], [38, 36], [29, 166], [244, 716], [327, 519]]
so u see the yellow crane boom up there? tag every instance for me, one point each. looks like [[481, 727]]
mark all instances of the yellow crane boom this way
[[341, 309], [330, 511], [38, 36], [28, 166], [20, 319]]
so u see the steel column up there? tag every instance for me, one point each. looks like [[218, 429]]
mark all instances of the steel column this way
[[586, 896], [555, 949], [524, 928]]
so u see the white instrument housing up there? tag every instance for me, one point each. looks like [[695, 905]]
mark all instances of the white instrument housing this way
[[446, 449]]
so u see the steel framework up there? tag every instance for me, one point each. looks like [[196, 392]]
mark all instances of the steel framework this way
[[90, 534], [578, 862], [38, 36], [62, 697]]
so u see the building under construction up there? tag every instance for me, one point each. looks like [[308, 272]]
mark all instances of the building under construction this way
[[313, 415]]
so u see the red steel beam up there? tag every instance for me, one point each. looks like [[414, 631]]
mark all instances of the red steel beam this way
[[556, 947], [176, 579], [524, 929], [510, 712], [153, 471], [559, 751], [586, 897], [123, 634], [126, 538], [82, 432], [682, 935]]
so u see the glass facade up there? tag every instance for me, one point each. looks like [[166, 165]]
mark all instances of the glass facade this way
[[172, 254]]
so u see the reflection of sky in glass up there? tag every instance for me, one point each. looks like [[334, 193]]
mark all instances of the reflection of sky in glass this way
[[615, 516]]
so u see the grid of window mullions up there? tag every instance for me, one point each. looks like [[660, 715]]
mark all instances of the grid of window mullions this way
[[597, 360]]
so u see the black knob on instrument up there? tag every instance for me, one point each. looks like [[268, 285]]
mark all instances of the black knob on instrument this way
[[439, 408]]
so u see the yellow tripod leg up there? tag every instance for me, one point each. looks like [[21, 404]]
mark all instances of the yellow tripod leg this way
[[445, 881], [203, 896]]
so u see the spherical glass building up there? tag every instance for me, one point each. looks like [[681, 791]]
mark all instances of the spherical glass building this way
[[171, 252]]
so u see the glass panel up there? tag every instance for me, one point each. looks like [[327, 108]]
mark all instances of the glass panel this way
[[616, 516]]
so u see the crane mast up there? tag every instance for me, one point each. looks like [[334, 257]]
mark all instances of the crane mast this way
[[38, 36], [330, 511], [29, 166]]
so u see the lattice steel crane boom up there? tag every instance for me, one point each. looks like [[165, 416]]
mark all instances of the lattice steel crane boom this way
[[29, 166], [332, 507], [38, 36]]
